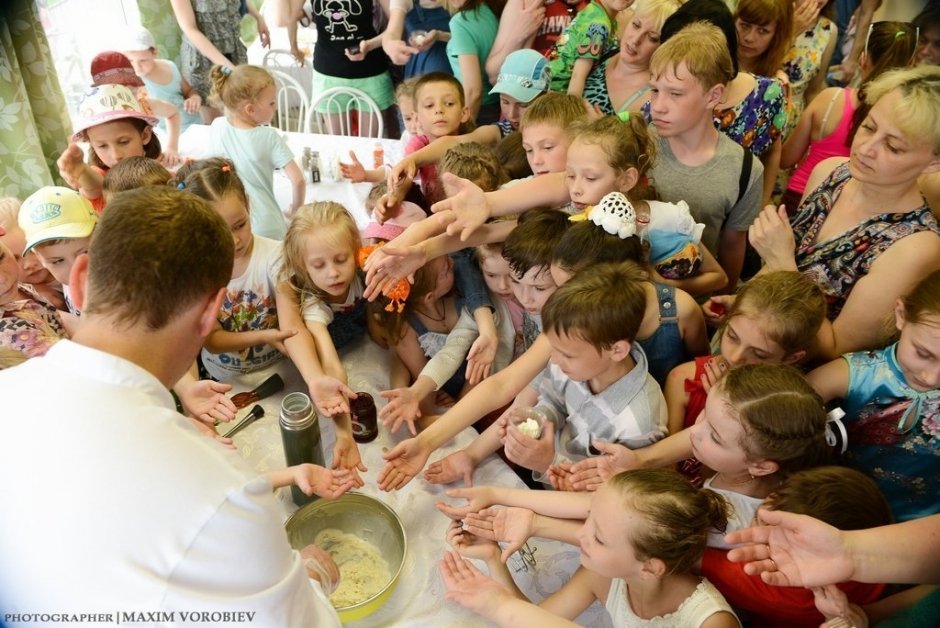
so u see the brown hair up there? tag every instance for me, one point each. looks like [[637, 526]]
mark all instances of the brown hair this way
[[134, 172], [554, 108], [783, 417], [627, 144], [704, 51], [390, 319], [444, 77], [212, 179], [511, 154], [890, 45], [474, 162], [844, 498], [532, 243], [152, 149], [677, 515], [155, 252], [586, 244], [319, 218], [790, 306], [602, 304], [234, 88], [764, 12]]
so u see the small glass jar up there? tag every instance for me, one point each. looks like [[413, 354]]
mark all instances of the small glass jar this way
[[365, 424]]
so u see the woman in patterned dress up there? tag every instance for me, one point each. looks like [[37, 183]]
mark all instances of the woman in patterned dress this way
[[864, 232]]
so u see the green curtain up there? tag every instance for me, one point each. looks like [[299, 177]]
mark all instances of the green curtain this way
[[34, 119]]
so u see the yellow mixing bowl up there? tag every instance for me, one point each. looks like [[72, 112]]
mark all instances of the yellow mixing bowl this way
[[365, 517]]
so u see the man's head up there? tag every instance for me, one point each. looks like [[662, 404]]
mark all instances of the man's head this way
[[58, 223], [156, 253]]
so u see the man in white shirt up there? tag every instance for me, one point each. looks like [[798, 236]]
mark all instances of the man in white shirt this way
[[115, 508]]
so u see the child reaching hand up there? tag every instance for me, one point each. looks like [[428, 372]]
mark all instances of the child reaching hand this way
[[319, 298], [246, 337], [242, 135], [643, 533]]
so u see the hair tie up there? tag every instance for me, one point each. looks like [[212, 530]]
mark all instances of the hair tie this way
[[224, 69], [899, 34], [181, 185], [615, 215], [397, 294], [226, 168], [624, 116], [836, 434]]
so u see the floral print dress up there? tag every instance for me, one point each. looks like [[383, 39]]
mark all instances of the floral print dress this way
[[837, 264], [758, 120], [802, 64]]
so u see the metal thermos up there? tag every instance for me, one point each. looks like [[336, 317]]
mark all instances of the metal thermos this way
[[300, 433]]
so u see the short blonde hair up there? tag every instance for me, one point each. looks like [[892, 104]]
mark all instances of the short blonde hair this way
[[233, 88], [9, 212], [658, 10], [918, 112], [703, 49], [553, 108]]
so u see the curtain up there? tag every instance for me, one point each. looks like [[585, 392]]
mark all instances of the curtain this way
[[34, 119]]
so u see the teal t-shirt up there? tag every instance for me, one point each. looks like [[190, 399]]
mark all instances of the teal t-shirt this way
[[473, 33], [590, 34]]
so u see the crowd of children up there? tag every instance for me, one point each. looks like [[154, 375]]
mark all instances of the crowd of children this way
[[574, 286]]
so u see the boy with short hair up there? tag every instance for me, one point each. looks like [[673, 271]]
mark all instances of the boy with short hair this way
[[131, 173], [597, 386], [697, 163], [58, 223]]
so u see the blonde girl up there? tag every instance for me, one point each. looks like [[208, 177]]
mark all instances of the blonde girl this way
[[760, 423], [114, 123], [319, 298], [614, 155], [891, 398], [246, 337], [248, 96], [643, 533]]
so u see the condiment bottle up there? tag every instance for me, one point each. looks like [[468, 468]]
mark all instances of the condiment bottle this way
[[365, 426], [378, 155], [314, 167], [300, 434]]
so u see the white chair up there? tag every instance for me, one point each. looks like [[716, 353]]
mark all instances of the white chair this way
[[279, 58], [332, 112], [292, 102]]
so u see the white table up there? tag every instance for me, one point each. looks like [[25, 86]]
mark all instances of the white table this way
[[194, 143], [419, 597]]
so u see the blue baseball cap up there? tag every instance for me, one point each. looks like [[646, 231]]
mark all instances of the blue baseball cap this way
[[524, 75]]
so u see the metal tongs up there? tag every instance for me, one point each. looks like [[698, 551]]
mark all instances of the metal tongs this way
[[256, 413]]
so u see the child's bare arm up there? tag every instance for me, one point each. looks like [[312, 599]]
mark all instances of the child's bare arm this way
[[579, 74], [691, 325], [79, 175], [831, 380], [221, 341], [298, 186], [676, 398]]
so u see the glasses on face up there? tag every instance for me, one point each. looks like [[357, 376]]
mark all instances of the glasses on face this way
[[900, 33]]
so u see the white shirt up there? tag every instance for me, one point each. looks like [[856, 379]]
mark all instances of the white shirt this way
[[114, 503]]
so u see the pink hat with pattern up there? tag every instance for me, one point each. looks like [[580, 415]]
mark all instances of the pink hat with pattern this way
[[105, 103]]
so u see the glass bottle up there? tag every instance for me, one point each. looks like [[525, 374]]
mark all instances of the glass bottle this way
[[314, 167]]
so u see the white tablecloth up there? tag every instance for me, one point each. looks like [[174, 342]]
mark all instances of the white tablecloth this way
[[419, 597], [194, 143]]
